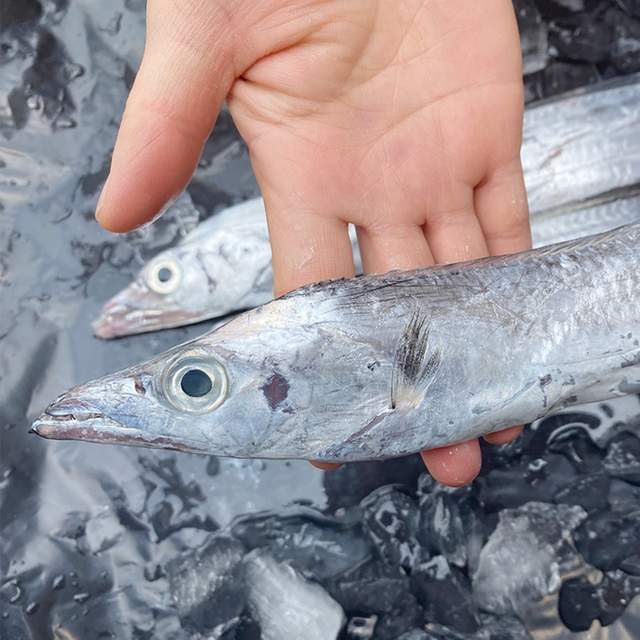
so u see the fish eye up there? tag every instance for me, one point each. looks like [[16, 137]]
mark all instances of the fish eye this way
[[163, 276], [195, 383]]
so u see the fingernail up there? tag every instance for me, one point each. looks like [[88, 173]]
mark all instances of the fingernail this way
[[99, 211]]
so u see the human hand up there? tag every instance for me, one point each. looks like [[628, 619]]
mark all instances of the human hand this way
[[402, 118]]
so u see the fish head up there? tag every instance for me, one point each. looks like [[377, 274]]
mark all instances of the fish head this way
[[223, 394], [219, 270], [154, 404], [170, 291]]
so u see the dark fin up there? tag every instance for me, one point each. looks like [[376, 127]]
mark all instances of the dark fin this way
[[414, 365]]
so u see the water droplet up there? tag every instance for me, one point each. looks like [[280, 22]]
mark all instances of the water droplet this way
[[34, 102], [64, 122], [32, 607], [16, 596], [58, 582], [74, 71], [113, 26]]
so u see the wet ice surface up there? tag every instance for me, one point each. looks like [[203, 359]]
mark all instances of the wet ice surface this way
[[285, 604], [525, 556], [108, 542]]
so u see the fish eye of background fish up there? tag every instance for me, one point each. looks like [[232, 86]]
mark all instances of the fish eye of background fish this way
[[163, 276]]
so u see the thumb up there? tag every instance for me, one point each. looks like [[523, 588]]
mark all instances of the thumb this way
[[186, 72]]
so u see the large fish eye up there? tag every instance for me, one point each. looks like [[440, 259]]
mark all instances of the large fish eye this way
[[163, 276], [195, 383]]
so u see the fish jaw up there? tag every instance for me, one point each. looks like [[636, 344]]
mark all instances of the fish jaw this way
[[73, 419], [129, 313], [95, 427], [113, 321], [105, 412]]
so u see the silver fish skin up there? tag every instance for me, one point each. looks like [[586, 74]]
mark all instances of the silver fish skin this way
[[589, 217], [385, 365], [576, 148], [582, 144]]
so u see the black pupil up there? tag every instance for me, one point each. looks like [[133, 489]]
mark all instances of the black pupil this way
[[164, 274], [196, 383]]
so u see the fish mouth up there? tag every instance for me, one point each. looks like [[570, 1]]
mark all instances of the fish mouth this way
[[117, 320], [73, 419], [76, 420]]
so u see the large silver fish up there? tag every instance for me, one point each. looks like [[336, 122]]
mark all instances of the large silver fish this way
[[581, 158], [385, 365]]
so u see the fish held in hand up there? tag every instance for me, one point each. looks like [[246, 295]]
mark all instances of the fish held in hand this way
[[385, 365]]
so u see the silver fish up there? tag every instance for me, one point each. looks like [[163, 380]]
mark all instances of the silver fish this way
[[576, 148], [222, 266], [583, 144], [385, 365]]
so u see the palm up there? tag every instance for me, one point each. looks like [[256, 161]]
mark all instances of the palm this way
[[396, 130], [403, 118]]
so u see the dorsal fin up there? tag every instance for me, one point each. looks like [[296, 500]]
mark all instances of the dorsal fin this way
[[582, 243]]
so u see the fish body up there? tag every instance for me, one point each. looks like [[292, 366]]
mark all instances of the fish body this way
[[582, 144], [591, 216], [581, 160], [385, 365]]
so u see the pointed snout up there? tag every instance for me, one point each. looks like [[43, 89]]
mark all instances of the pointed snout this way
[[70, 418]]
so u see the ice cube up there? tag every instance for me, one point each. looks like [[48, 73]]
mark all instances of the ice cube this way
[[623, 458], [286, 605], [524, 556], [317, 545], [206, 586], [391, 518], [441, 528]]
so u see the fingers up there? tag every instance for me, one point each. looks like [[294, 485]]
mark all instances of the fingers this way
[[325, 466], [181, 84], [504, 436], [306, 247], [501, 205], [399, 246], [456, 465], [455, 235]]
